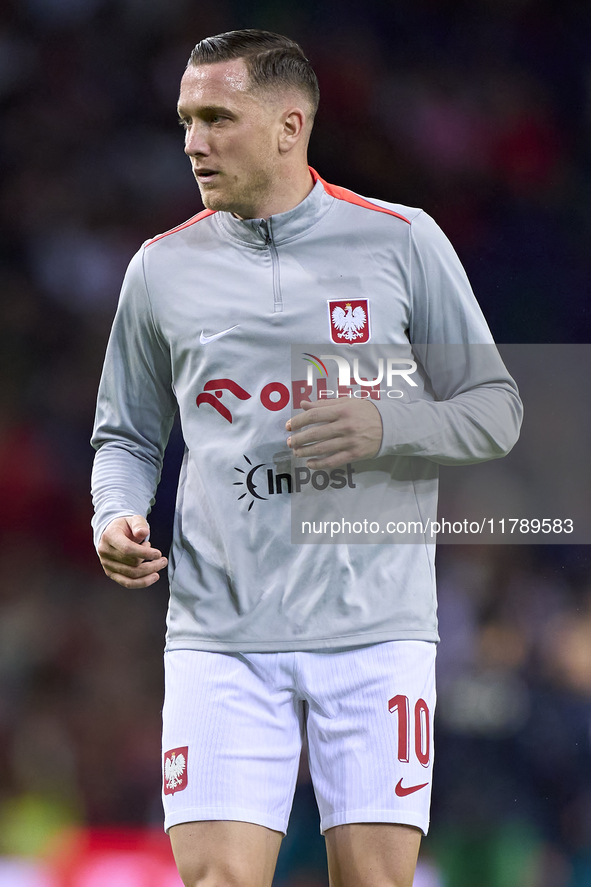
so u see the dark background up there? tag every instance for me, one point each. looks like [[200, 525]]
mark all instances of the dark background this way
[[479, 112]]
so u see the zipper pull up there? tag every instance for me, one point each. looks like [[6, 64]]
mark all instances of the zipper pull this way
[[264, 229]]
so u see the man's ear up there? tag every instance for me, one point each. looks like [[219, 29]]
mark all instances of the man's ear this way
[[293, 122]]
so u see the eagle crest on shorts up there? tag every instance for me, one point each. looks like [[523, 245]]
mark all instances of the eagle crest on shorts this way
[[175, 770], [349, 321]]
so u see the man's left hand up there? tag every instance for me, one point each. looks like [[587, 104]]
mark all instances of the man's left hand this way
[[335, 432]]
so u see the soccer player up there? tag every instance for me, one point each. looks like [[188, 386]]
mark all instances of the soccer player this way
[[268, 641]]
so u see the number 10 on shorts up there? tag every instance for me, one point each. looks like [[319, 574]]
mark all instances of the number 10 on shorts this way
[[422, 728]]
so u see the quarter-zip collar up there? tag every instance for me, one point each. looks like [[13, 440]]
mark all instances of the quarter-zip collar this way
[[281, 227]]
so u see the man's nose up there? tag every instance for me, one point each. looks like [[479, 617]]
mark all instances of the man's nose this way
[[195, 141]]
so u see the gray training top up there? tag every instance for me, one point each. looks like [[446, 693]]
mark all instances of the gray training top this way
[[206, 320]]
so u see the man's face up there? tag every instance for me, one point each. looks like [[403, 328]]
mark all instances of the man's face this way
[[231, 137]]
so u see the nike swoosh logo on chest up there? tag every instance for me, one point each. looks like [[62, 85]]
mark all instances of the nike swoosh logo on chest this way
[[205, 340]]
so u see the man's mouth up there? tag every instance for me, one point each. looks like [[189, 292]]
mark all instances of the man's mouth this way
[[204, 175]]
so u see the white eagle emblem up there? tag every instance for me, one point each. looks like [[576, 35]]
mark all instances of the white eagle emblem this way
[[174, 767], [350, 321]]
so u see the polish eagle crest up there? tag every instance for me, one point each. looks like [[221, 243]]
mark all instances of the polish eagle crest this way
[[175, 765], [350, 322]]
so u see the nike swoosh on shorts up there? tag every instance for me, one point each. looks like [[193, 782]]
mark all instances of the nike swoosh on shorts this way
[[403, 792], [204, 340]]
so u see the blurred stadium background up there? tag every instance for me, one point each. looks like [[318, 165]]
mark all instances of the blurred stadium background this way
[[478, 111]]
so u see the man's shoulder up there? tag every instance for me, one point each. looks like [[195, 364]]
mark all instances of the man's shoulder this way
[[425, 230], [408, 214], [383, 207], [178, 229], [399, 211]]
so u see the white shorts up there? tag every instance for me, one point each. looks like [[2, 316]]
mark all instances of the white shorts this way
[[234, 723]]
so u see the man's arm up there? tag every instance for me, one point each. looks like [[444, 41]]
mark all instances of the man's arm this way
[[475, 412], [472, 412], [135, 412]]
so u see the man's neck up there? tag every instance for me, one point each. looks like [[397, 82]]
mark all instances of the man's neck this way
[[293, 190]]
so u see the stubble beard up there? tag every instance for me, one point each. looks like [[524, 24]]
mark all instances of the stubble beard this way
[[243, 200]]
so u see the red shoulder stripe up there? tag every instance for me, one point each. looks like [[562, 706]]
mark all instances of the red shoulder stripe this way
[[351, 197], [202, 215]]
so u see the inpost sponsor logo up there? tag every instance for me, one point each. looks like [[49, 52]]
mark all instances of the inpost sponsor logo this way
[[261, 481]]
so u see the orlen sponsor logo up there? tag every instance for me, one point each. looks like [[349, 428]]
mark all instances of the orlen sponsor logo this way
[[276, 396], [261, 479]]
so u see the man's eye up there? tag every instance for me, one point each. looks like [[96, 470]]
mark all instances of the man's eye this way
[[184, 123]]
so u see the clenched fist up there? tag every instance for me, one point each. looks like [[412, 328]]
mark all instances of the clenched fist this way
[[126, 555]]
